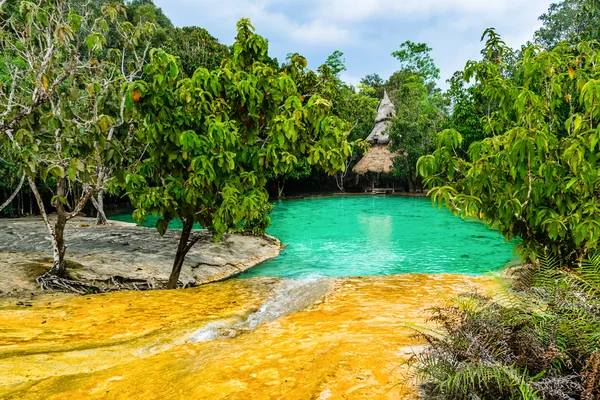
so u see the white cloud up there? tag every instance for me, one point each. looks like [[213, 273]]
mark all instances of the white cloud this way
[[360, 10], [228, 12], [367, 31]]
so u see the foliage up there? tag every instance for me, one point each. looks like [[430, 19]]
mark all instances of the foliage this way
[[60, 107], [356, 107], [415, 57], [375, 84], [537, 177], [569, 20], [213, 138], [196, 48], [336, 62], [534, 342], [469, 111], [420, 109]]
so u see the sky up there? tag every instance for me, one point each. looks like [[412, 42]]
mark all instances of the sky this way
[[366, 31]]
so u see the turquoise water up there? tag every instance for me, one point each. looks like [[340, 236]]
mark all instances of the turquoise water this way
[[361, 236]]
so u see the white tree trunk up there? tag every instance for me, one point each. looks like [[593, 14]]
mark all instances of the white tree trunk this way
[[99, 205], [280, 186], [12, 196]]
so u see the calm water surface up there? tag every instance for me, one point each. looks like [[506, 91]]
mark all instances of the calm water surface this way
[[362, 236]]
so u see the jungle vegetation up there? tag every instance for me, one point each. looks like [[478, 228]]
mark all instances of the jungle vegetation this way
[[104, 100], [520, 152]]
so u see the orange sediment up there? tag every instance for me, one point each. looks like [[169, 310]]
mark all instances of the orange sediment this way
[[350, 344]]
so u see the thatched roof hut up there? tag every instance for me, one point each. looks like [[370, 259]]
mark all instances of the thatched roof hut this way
[[378, 159]]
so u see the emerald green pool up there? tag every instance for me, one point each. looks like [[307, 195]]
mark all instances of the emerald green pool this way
[[361, 236]]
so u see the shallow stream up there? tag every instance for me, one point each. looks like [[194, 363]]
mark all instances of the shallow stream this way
[[332, 317]]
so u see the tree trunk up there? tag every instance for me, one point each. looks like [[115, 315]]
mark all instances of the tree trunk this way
[[56, 233], [58, 247], [12, 196], [280, 187], [182, 250], [339, 181], [99, 205]]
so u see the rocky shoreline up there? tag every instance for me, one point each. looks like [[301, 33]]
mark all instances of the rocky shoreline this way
[[121, 255]]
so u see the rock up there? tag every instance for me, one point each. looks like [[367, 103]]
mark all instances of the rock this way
[[123, 251]]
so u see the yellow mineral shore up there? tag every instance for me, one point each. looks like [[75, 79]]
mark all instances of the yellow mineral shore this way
[[351, 344]]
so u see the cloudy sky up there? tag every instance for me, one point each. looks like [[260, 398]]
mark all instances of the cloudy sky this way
[[367, 31]]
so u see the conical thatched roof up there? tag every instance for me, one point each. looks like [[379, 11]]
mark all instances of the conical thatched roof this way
[[378, 159], [385, 112]]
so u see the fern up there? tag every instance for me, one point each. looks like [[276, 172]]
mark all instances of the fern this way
[[533, 340]]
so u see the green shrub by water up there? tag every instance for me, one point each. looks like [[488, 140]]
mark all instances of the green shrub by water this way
[[540, 340]]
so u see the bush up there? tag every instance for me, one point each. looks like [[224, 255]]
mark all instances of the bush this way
[[541, 340]]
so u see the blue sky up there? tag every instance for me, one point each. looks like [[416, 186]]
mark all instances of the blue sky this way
[[367, 31]]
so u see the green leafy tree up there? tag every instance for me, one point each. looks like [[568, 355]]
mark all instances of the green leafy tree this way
[[213, 138], [336, 62], [196, 48], [419, 117], [359, 109], [356, 107], [537, 177], [58, 111], [421, 109], [416, 57], [569, 20], [375, 83], [469, 111], [299, 170]]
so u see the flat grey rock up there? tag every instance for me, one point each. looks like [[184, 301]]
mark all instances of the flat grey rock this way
[[122, 251]]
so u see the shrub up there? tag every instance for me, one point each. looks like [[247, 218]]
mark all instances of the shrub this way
[[540, 340]]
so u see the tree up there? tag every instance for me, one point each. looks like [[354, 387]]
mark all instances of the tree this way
[[213, 138], [419, 117], [416, 57], [59, 111], [469, 110], [374, 82], [299, 170], [537, 178], [336, 62], [569, 20], [358, 108], [196, 48], [421, 109]]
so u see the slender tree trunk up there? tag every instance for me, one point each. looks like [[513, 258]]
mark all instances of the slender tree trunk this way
[[182, 250], [56, 233], [58, 239], [59, 266], [99, 205], [339, 181], [280, 188], [12, 196]]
